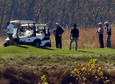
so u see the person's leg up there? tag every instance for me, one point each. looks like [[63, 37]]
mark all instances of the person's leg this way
[[108, 41], [10, 38], [101, 41], [60, 42], [56, 39], [76, 43], [12, 41], [71, 43]]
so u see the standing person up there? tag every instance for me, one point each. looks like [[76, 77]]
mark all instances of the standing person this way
[[74, 36], [100, 32], [108, 34], [58, 35], [9, 31]]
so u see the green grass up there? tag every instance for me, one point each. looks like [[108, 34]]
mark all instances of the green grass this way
[[25, 55], [33, 51]]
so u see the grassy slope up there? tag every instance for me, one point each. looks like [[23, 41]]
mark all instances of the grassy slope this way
[[33, 51], [29, 60], [24, 55]]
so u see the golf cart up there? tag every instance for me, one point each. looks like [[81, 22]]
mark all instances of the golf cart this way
[[27, 32]]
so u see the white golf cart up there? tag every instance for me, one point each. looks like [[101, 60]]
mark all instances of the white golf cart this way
[[27, 32]]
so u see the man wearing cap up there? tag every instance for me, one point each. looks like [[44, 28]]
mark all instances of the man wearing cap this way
[[58, 35], [9, 31], [108, 34], [100, 32], [74, 36]]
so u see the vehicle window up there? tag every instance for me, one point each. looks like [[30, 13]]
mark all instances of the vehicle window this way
[[40, 29]]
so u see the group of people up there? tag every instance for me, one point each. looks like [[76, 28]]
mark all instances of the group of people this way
[[74, 35], [101, 31]]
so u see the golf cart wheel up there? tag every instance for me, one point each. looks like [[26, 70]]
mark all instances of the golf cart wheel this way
[[6, 44], [37, 44], [15, 43], [48, 45]]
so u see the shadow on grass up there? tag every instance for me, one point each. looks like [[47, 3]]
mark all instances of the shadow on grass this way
[[85, 51], [22, 46], [47, 48]]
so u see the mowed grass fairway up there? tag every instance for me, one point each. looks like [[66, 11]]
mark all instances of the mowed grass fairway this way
[[25, 50], [22, 62], [24, 54]]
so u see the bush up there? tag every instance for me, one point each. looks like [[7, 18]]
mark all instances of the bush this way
[[43, 80], [90, 74]]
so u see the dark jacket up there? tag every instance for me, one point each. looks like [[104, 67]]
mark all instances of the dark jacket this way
[[75, 33], [58, 32], [109, 30]]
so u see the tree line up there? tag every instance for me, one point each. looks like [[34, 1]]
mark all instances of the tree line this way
[[85, 13]]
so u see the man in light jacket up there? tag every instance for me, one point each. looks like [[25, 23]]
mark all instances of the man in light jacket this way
[[9, 31]]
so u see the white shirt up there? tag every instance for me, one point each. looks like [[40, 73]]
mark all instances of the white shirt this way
[[10, 27]]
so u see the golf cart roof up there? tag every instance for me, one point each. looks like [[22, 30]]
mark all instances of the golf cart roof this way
[[23, 21], [37, 25]]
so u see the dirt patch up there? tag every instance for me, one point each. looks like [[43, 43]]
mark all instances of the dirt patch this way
[[32, 75]]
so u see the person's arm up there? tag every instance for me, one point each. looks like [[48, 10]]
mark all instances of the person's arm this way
[[109, 29], [62, 31], [78, 34], [7, 29], [54, 32], [99, 30], [70, 36], [105, 28]]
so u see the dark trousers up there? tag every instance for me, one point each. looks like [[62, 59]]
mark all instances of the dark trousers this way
[[58, 42], [11, 39], [108, 41], [101, 41]]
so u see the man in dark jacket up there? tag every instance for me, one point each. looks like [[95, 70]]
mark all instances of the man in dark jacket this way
[[108, 34], [74, 36], [58, 35]]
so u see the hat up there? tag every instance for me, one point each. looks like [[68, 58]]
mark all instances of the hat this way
[[57, 23], [100, 23], [106, 22]]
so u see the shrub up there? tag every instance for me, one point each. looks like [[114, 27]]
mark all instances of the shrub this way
[[43, 80], [90, 74]]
